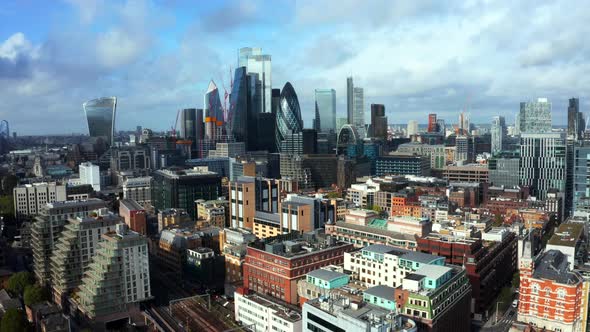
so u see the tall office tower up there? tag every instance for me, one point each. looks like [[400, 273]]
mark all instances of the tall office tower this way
[[213, 113], [440, 125], [74, 251], [543, 162], [412, 128], [463, 149], [349, 100], [581, 172], [199, 125], [289, 116], [238, 106], [266, 138], [276, 100], [48, 226], [517, 124], [378, 122], [119, 277], [432, 123], [188, 125], [316, 122], [29, 198], [464, 126], [304, 142], [256, 62], [359, 110], [100, 114], [535, 116], [90, 174], [575, 120], [325, 107], [498, 133]]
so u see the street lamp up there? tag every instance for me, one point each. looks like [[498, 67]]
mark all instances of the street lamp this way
[[497, 310]]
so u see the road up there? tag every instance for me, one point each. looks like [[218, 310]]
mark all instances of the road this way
[[503, 324]]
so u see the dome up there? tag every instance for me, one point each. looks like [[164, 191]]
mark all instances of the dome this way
[[289, 113]]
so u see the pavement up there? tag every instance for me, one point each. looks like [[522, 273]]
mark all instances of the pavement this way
[[504, 321]]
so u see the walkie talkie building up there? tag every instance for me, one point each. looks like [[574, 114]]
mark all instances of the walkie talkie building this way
[[100, 114]]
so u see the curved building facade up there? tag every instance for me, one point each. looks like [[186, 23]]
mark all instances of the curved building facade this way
[[289, 114], [100, 114], [213, 113]]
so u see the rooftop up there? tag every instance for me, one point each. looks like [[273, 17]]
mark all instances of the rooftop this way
[[381, 291], [433, 271], [130, 204], [420, 257], [374, 230], [553, 265], [175, 173], [286, 312], [327, 275], [567, 234]]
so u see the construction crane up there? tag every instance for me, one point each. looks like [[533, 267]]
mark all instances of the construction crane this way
[[173, 128]]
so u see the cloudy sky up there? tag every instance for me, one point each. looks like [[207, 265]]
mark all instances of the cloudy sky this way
[[416, 57]]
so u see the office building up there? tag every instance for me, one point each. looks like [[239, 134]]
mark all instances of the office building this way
[[476, 173], [355, 106], [321, 282], [48, 226], [138, 189], [100, 114], [304, 142], [378, 122], [503, 170], [464, 149], [213, 113], [581, 172], [412, 128], [242, 202], [188, 124], [134, 215], [213, 212], [535, 117], [325, 108], [130, 158], [576, 124], [233, 242], [288, 251], [264, 314], [181, 188], [90, 174], [543, 162], [498, 134], [118, 278], [289, 116], [29, 198], [74, 251], [260, 64], [432, 125], [551, 297], [489, 264], [402, 164]]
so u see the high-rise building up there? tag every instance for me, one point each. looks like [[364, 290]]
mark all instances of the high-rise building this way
[[100, 114], [75, 248], [432, 123], [517, 124], [441, 126], [349, 101], [213, 113], [90, 174], [535, 116], [378, 122], [464, 124], [48, 226], [29, 198], [258, 63], [325, 108], [188, 125], [504, 171], [498, 134], [289, 116], [304, 142], [412, 128], [581, 173], [575, 120], [355, 105], [118, 279], [242, 202], [238, 106], [543, 162], [181, 188]]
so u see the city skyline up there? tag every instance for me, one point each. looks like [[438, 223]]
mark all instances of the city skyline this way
[[158, 58]]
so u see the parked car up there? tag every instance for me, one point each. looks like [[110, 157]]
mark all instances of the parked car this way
[[515, 303]]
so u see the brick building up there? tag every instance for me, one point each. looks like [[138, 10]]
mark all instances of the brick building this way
[[489, 265], [134, 215], [275, 266]]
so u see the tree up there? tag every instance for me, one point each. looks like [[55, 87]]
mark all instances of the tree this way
[[13, 321], [35, 294], [8, 183], [334, 194], [6, 205], [18, 282], [498, 221], [376, 208]]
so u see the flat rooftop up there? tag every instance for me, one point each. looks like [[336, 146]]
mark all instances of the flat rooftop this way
[[130, 204], [327, 275], [567, 234], [381, 291]]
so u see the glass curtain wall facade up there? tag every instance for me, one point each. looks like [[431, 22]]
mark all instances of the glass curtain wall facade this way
[[256, 62], [289, 116], [498, 134], [100, 114], [325, 107], [238, 106], [535, 116], [543, 162]]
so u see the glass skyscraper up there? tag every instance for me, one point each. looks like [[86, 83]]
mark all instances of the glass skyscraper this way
[[535, 116], [100, 114], [543, 162], [498, 131], [238, 106], [325, 107], [256, 62], [213, 113], [289, 116]]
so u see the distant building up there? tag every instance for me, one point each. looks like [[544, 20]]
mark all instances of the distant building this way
[[134, 215], [476, 173], [535, 117], [504, 171], [378, 127], [498, 134], [543, 162], [402, 164], [325, 105], [138, 189], [100, 114], [90, 174], [412, 128], [29, 198], [234, 242]]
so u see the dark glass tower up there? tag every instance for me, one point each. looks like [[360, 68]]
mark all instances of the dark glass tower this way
[[188, 124], [289, 114], [100, 114], [238, 106]]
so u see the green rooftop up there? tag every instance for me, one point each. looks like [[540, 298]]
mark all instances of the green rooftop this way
[[378, 223]]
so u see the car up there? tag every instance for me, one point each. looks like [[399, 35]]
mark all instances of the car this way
[[515, 303]]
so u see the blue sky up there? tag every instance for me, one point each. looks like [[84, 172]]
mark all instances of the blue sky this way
[[416, 57]]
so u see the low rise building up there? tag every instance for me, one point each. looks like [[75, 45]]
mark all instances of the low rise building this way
[[234, 242], [138, 189], [134, 215], [30, 198], [265, 314]]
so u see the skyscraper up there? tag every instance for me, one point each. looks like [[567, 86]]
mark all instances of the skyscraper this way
[[256, 62], [188, 125], [238, 106], [581, 187], [213, 113], [432, 123], [325, 107], [355, 106], [349, 101], [498, 133], [575, 120], [378, 121], [535, 116], [289, 116], [100, 114], [543, 162], [412, 128]]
